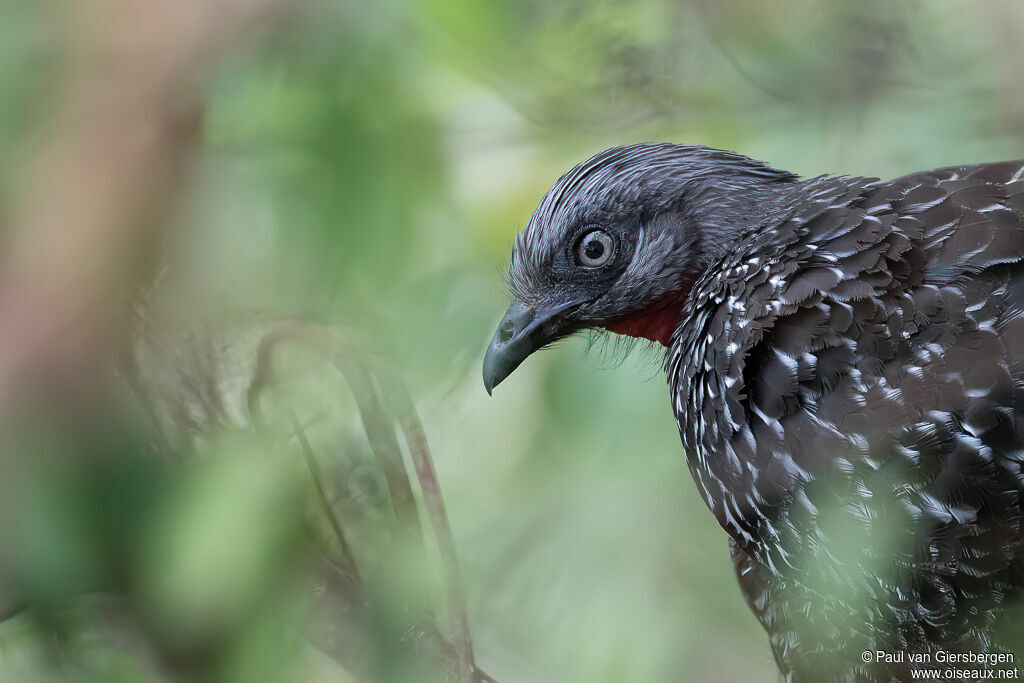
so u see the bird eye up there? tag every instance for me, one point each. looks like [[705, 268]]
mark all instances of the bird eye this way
[[595, 249]]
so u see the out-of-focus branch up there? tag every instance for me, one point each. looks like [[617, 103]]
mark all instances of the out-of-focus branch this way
[[416, 439], [379, 431], [315, 472], [379, 412], [90, 205]]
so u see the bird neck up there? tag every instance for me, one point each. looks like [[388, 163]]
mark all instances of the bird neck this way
[[724, 215], [657, 322], [715, 221]]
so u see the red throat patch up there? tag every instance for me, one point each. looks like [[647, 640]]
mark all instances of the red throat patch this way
[[657, 322]]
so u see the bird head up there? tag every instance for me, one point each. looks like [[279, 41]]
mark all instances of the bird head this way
[[618, 241]]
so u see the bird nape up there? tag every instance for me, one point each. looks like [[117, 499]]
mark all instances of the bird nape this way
[[845, 360]]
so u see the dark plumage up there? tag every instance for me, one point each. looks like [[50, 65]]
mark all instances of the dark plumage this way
[[845, 359]]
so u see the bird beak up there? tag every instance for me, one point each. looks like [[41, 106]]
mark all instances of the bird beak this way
[[522, 331]]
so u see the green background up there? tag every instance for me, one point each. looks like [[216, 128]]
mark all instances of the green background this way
[[369, 164]]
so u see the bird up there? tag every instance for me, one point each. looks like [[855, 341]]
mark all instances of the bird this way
[[845, 363]]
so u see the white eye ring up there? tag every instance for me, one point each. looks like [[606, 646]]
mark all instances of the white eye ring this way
[[595, 249]]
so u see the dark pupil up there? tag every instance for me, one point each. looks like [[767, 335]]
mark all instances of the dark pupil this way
[[593, 249]]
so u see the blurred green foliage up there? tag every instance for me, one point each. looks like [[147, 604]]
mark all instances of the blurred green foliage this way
[[368, 164]]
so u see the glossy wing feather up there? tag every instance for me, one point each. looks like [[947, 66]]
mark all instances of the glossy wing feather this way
[[850, 390]]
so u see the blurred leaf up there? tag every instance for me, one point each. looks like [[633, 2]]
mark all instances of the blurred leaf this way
[[216, 549]]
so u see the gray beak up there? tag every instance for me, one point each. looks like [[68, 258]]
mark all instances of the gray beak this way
[[522, 331]]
